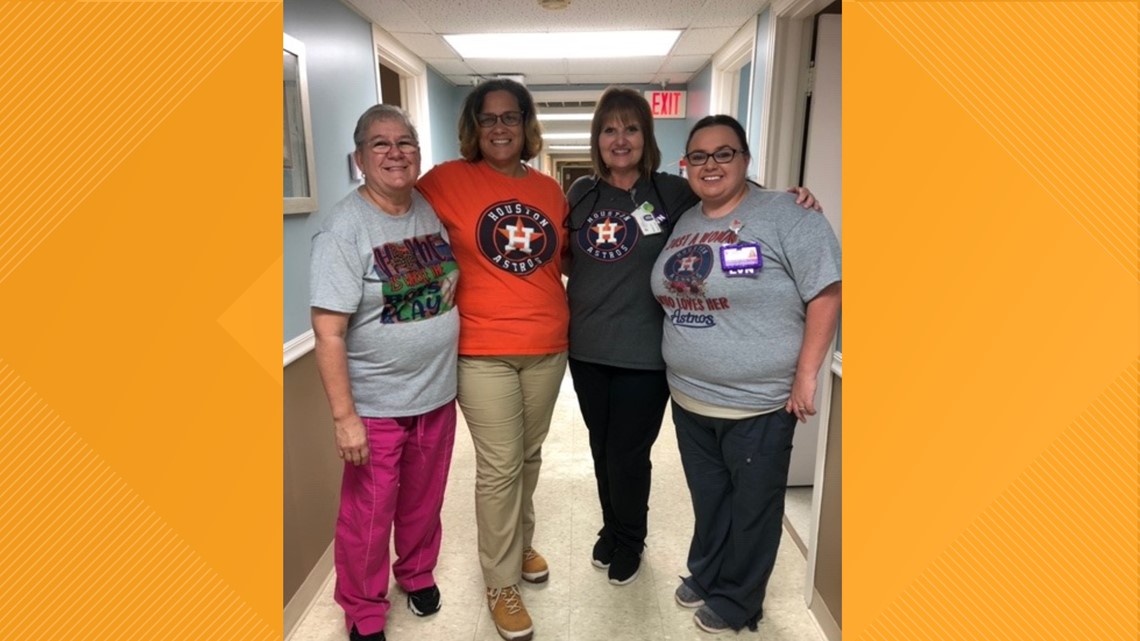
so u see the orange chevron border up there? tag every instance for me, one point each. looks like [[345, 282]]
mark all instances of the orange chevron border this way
[[992, 254], [1055, 85], [1054, 557], [140, 444], [93, 80], [81, 555]]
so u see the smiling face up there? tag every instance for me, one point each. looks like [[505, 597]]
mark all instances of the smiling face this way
[[392, 172], [501, 145], [718, 186], [621, 145]]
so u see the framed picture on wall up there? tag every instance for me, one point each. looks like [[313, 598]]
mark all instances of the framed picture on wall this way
[[299, 173]]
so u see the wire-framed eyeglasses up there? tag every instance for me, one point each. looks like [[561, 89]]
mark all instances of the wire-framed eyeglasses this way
[[509, 118], [722, 156], [382, 147]]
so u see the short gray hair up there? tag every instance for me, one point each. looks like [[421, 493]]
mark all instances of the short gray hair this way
[[381, 112]]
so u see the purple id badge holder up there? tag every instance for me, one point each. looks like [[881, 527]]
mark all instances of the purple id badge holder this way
[[740, 259]]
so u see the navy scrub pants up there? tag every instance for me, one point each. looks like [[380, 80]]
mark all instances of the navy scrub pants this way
[[737, 472]]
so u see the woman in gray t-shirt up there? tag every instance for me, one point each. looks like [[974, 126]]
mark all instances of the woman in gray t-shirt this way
[[750, 286], [382, 276]]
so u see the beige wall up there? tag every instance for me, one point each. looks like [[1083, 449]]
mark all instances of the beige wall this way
[[311, 470], [829, 553]]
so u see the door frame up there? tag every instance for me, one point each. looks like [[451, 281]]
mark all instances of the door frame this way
[[724, 92], [783, 122], [413, 85]]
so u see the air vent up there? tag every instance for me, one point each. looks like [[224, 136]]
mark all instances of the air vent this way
[[587, 104]]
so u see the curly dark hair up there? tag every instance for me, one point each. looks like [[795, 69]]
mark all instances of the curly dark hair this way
[[473, 105]]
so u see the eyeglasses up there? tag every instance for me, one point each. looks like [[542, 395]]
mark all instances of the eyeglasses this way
[[382, 147], [722, 156], [510, 119]]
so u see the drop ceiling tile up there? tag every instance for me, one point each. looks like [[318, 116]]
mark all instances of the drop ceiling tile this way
[[449, 66], [425, 45], [397, 15], [728, 13], [609, 65], [684, 64], [702, 41], [616, 78]]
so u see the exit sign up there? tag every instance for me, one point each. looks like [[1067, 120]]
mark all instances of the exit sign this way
[[666, 104]]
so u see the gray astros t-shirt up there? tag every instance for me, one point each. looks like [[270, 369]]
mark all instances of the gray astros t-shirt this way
[[389, 273], [733, 342]]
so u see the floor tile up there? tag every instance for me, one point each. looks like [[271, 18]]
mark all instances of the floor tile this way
[[577, 603]]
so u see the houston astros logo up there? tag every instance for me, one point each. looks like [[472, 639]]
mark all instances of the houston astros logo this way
[[686, 270], [516, 237], [608, 235]]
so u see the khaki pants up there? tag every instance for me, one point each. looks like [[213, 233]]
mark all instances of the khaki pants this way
[[507, 402]]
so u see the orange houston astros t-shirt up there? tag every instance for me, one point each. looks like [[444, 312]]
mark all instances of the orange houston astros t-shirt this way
[[508, 236]]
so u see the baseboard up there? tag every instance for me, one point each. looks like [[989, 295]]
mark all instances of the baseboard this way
[[299, 346], [822, 617], [306, 595]]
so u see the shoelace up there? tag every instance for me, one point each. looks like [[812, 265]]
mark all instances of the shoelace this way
[[510, 598], [529, 554]]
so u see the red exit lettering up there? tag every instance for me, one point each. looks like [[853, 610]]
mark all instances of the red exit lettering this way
[[667, 104]]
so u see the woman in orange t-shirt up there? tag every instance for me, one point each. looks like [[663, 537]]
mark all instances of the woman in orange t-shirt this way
[[505, 223]]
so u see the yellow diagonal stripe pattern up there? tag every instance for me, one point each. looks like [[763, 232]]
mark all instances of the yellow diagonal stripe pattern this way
[[83, 85], [1054, 557], [1055, 84], [81, 556]]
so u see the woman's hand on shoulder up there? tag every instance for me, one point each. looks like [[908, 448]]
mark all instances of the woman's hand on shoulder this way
[[805, 198]]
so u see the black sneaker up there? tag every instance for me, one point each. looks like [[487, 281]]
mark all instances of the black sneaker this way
[[424, 602], [356, 636], [625, 566], [603, 552]]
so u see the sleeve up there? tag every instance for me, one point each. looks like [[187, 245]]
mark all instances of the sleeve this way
[[336, 272], [678, 195], [813, 255], [428, 186]]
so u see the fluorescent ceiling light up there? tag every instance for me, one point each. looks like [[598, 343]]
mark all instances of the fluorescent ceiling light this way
[[581, 44], [569, 147], [565, 116], [570, 136]]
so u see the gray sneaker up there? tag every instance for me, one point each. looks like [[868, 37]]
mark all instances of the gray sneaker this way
[[686, 598], [710, 621]]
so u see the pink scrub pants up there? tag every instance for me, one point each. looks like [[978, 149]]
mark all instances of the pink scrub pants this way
[[401, 485]]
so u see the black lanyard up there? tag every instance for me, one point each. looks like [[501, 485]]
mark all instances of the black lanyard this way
[[597, 192]]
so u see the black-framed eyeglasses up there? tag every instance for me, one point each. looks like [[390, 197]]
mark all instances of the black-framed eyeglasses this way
[[509, 118], [382, 147], [722, 156]]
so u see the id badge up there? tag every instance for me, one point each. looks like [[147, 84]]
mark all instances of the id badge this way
[[646, 220], [741, 259]]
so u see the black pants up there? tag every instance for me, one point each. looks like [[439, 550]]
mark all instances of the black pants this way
[[737, 472], [623, 409]]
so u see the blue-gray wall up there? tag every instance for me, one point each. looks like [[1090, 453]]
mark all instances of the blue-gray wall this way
[[342, 84], [700, 92], [743, 90], [445, 99], [759, 83]]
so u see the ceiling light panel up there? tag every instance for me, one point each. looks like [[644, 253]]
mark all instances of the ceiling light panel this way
[[577, 45]]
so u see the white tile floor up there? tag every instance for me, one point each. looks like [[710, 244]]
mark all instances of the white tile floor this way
[[577, 604]]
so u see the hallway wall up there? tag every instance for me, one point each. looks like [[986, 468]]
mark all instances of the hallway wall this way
[[342, 84]]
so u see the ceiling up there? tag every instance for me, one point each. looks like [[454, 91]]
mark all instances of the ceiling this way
[[420, 24]]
